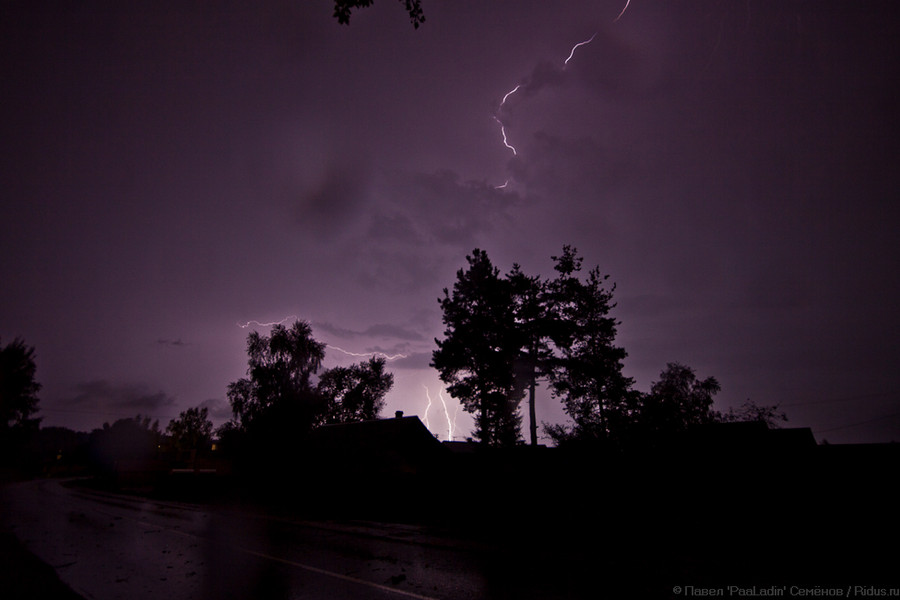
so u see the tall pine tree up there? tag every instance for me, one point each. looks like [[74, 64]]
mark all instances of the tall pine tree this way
[[587, 373], [477, 357]]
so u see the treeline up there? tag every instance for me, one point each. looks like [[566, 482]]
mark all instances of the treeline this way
[[18, 404], [133, 443], [282, 399], [274, 407], [505, 333]]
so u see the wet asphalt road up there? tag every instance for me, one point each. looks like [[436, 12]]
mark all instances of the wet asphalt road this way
[[109, 546]]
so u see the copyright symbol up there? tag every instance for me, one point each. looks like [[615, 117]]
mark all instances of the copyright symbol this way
[[676, 589]]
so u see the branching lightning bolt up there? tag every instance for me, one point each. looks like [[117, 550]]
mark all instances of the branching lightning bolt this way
[[381, 354], [451, 423], [388, 357], [258, 324], [516, 89]]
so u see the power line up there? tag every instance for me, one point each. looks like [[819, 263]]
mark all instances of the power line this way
[[842, 399], [896, 414]]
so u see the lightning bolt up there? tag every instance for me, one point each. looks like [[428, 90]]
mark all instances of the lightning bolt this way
[[427, 408], [258, 324], [387, 357], [516, 89], [509, 93], [503, 127], [576, 46], [627, 2], [450, 424], [382, 354], [503, 132]]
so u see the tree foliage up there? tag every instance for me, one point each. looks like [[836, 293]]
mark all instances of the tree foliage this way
[[478, 355], [343, 8], [587, 374], [535, 327], [192, 430], [278, 383], [278, 402], [752, 412], [679, 400], [505, 333], [354, 393], [18, 386]]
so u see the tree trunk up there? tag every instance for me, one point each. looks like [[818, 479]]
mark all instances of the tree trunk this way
[[532, 384], [531, 413]]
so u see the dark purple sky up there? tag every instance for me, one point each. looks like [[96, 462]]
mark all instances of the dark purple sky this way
[[174, 169]]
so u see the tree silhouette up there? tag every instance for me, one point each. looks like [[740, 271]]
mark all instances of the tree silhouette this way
[[749, 411], [343, 8], [354, 393], [278, 404], [587, 374], [504, 333], [535, 328], [678, 400], [478, 354], [192, 430], [18, 387], [280, 366]]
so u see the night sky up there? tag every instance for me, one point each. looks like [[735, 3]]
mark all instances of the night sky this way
[[174, 170]]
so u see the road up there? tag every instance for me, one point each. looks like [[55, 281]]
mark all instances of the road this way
[[107, 546]]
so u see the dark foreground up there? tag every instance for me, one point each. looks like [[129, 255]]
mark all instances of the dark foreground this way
[[818, 523], [25, 576]]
